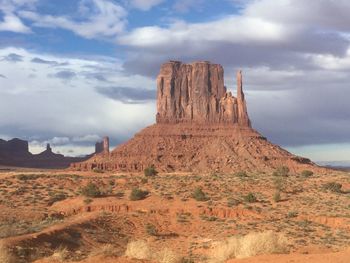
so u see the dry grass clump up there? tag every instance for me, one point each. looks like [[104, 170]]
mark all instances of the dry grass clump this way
[[60, 254], [140, 250], [5, 255], [250, 245], [166, 256]]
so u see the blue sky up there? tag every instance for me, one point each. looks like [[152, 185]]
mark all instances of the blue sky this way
[[74, 71]]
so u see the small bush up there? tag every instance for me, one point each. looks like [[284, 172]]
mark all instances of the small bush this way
[[307, 173], [250, 198], [241, 174], [87, 201], [199, 195], [138, 194], [333, 187], [138, 250], [151, 230], [97, 170], [277, 196], [150, 171], [292, 214], [250, 245], [281, 171], [91, 190]]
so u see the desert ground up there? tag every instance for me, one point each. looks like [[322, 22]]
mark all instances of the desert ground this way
[[74, 216]]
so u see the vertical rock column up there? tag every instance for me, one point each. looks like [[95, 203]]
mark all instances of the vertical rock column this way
[[243, 118]]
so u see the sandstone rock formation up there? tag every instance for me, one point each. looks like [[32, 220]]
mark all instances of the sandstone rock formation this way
[[200, 127], [195, 93]]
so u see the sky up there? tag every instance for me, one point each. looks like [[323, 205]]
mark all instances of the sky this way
[[72, 72]]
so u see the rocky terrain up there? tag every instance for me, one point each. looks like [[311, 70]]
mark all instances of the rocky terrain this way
[[199, 127], [59, 216]]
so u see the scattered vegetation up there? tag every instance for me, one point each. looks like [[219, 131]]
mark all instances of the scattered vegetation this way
[[250, 198], [281, 171], [166, 255], [307, 173], [150, 171], [250, 245], [91, 190], [138, 194], [333, 187], [199, 195]]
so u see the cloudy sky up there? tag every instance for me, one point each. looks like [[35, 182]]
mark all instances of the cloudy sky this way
[[74, 71]]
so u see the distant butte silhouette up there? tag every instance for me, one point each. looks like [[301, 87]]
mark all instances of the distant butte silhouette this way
[[200, 127]]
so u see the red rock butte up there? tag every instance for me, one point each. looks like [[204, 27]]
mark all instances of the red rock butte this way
[[200, 127]]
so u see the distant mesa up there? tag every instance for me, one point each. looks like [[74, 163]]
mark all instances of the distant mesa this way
[[15, 152], [200, 127], [103, 146]]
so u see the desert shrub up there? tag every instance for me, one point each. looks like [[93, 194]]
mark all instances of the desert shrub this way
[[151, 230], [292, 214], [97, 170], [5, 255], [150, 171], [199, 195], [250, 198], [250, 245], [138, 194], [138, 250], [87, 201], [91, 190], [106, 250], [307, 173], [57, 197], [277, 196], [166, 256], [281, 171], [241, 174], [333, 187]]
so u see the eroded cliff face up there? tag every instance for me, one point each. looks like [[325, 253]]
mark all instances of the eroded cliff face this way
[[195, 93]]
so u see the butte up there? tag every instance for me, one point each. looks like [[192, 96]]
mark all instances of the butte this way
[[200, 127]]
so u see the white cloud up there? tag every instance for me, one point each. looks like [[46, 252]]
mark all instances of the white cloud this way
[[10, 21], [230, 29], [47, 107], [145, 5], [96, 19]]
